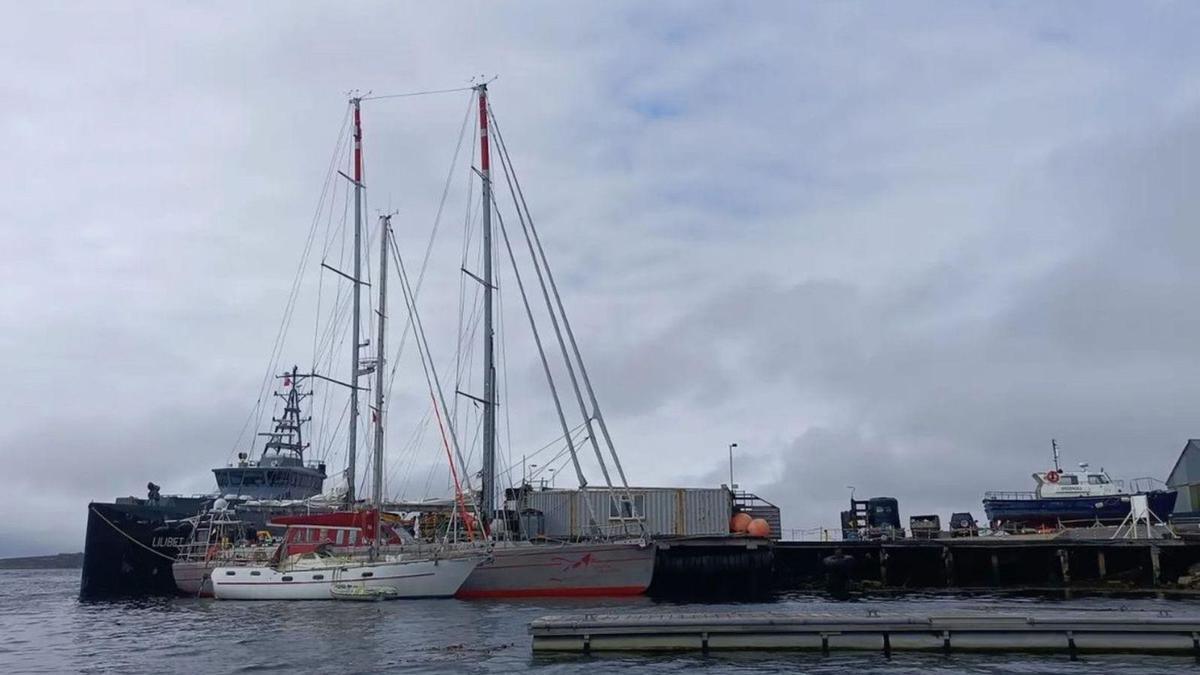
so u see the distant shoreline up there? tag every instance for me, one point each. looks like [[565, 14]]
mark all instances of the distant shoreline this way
[[58, 561]]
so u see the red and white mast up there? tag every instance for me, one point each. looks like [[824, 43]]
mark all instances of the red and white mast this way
[[488, 503], [355, 338]]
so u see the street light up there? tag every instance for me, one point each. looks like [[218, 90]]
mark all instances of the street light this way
[[551, 471], [732, 485]]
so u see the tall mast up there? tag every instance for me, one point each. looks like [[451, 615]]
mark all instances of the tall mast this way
[[488, 505], [352, 451], [385, 225]]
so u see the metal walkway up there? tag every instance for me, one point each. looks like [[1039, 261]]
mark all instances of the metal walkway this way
[[1066, 633]]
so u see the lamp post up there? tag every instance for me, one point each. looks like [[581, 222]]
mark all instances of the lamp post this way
[[551, 476], [732, 487]]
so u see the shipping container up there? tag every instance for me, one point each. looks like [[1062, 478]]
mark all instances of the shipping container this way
[[573, 513]]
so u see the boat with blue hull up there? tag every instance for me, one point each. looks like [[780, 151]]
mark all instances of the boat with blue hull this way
[[1040, 512], [1074, 499]]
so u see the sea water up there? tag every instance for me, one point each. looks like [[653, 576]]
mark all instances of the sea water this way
[[44, 628]]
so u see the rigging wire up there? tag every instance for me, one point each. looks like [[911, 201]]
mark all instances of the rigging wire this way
[[437, 219], [289, 307], [540, 262], [408, 453], [427, 363], [502, 338], [540, 349], [551, 444], [380, 97], [468, 230], [338, 302], [554, 323]]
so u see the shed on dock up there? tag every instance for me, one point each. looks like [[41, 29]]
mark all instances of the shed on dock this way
[[668, 511]]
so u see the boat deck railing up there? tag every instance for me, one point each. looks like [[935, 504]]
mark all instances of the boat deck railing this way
[[1143, 484], [1010, 495]]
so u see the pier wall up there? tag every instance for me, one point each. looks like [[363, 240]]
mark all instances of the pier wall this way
[[713, 568], [745, 568]]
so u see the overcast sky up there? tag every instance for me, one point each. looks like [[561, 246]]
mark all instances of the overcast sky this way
[[898, 247]]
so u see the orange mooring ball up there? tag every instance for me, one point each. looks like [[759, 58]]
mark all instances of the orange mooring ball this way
[[759, 528], [739, 522]]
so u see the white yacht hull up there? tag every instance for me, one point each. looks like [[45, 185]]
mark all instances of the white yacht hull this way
[[439, 578]]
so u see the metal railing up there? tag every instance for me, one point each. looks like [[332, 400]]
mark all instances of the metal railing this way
[[1146, 484], [835, 534], [1022, 495]]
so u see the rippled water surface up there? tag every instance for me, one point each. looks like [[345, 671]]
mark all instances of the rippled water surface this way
[[44, 628]]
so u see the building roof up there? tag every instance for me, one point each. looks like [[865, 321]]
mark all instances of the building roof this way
[[1192, 447]]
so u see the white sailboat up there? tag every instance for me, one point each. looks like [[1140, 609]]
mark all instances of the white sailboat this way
[[318, 575], [314, 572]]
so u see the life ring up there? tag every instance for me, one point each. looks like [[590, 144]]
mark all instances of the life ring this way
[[1052, 476]]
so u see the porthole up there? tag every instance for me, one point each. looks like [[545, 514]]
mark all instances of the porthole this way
[[256, 573], [318, 577], [368, 574], [229, 573], [287, 578]]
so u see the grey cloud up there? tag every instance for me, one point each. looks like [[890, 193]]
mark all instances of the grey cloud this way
[[898, 249]]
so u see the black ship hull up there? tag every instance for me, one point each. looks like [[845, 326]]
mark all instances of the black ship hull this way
[[129, 547]]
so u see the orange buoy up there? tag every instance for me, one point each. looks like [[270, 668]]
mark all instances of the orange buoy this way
[[759, 528], [739, 522]]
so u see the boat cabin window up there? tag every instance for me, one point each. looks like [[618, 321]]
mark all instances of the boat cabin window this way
[[368, 574], [1068, 479], [229, 573], [256, 573], [287, 578], [318, 577], [1097, 479]]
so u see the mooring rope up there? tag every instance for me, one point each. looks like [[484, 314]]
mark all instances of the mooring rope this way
[[127, 536]]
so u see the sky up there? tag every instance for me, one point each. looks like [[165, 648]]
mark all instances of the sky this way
[[891, 246]]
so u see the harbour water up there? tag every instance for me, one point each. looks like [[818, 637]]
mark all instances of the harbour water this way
[[46, 629]]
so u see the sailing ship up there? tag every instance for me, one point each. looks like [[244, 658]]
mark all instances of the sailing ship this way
[[281, 490], [1081, 498], [609, 563], [321, 573]]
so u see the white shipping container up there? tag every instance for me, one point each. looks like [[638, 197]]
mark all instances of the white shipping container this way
[[667, 511]]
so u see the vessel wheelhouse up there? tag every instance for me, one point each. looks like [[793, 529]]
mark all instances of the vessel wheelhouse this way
[[280, 472]]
